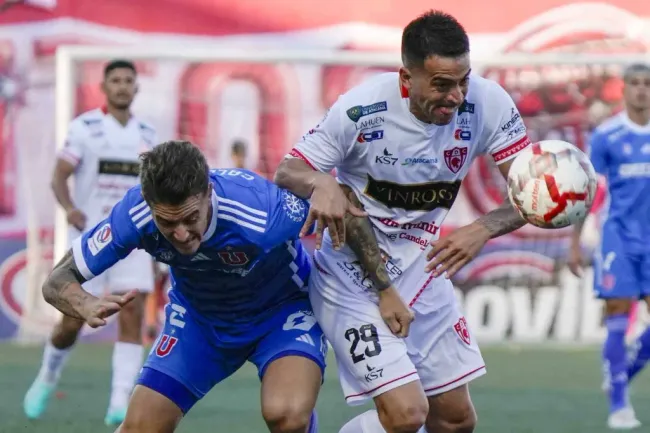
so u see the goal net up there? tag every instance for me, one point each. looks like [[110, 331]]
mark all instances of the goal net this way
[[517, 289]]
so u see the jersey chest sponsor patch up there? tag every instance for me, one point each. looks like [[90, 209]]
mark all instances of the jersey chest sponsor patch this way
[[119, 167], [413, 197]]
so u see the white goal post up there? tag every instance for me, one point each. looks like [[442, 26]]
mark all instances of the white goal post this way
[[68, 59]]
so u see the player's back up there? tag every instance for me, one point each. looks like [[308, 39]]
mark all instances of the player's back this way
[[620, 150], [250, 260]]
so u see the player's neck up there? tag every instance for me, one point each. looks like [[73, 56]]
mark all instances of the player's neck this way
[[121, 115], [639, 117]]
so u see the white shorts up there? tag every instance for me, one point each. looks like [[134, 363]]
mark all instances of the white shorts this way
[[134, 272], [439, 351]]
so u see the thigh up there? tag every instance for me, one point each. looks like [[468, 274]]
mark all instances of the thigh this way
[[134, 272], [442, 347], [151, 412], [371, 360], [188, 352], [615, 273]]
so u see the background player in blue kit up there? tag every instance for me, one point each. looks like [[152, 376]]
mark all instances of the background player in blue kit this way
[[239, 274], [620, 151]]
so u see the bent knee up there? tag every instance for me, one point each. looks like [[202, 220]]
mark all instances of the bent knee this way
[[408, 418], [459, 421], [287, 416]]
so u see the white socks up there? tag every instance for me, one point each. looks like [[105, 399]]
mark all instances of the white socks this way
[[127, 362], [53, 362], [367, 422]]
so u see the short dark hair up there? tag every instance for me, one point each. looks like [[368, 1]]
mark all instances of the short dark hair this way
[[172, 172], [238, 146], [433, 33], [635, 68], [118, 64]]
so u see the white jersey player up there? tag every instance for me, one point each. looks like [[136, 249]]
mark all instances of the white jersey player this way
[[401, 144], [102, 150]]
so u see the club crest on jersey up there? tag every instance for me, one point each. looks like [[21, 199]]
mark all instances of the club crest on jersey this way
[[466, 107], [358, 111], [461, 329], [455, 158], [294, 207], [102, 237], [233, 258]]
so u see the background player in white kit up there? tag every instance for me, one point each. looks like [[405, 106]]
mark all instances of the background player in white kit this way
[[102, 150], [402, 143]]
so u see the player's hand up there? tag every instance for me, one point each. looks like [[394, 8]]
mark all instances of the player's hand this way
[[76, 218], [575, 259], [328, 208], [96, 312], [449, 254], [397, 315]]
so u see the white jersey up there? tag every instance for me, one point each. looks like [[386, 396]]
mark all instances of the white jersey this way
[[105, 155], [406, 173]]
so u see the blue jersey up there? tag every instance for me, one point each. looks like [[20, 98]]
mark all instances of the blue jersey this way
[[250, 260], [620, 151]]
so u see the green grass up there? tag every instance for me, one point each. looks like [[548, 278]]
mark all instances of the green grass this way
[[536, 390]]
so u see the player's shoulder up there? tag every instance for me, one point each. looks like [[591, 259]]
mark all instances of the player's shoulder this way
[[487, 92], [89, 120], [377, 94], [612, 126], [135, 211]]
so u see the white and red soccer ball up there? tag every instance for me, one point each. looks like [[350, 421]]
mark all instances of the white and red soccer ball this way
[[552, 184]]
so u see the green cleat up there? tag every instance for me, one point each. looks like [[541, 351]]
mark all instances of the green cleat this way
[[36, 399], [115, 416]]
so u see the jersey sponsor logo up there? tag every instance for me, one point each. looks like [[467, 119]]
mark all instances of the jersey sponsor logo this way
[[515, 118], [429, 227], [386, 158], [418, 161], [117, 167], [370, 123], [520, 129], [294, 207], [463, 122], [461, 329], [460, 134], [369, 137], [466, 107], [165, 345], [302, 320], [455, 158], [102, 237], [420, 196], [358, 111], [233, 258]]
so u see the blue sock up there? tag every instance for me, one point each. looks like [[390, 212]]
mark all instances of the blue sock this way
[[641, 354], [615, 360], [313, 423]]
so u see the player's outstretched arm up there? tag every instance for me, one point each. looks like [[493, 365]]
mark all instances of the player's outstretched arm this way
[[62, 289], [363, 242]]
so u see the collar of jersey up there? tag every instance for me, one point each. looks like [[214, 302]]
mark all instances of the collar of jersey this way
[[213, 222], [635, 126]]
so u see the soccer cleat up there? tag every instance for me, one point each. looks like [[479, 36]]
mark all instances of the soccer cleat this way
[[115, 416], [37, 398], [623, 419]]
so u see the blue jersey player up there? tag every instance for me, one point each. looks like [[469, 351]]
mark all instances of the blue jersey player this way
[[620, 152], [239, 273]]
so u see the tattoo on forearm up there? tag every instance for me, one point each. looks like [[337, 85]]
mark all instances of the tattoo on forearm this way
[[360, 236], [502, 220], [62, 289]]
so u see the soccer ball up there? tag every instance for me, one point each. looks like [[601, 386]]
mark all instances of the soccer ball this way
[[552, 184]]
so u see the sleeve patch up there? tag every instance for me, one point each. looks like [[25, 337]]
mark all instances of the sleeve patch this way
[[100, 239], [294, 207]]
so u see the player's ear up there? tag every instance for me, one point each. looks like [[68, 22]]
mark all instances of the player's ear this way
[[405, 77]]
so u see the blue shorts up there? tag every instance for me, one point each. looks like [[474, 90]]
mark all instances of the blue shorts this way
[[190, 356], [619, 273]]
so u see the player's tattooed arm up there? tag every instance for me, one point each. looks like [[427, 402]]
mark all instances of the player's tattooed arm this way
[[361, 239], [502, 220], [62, 289]]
